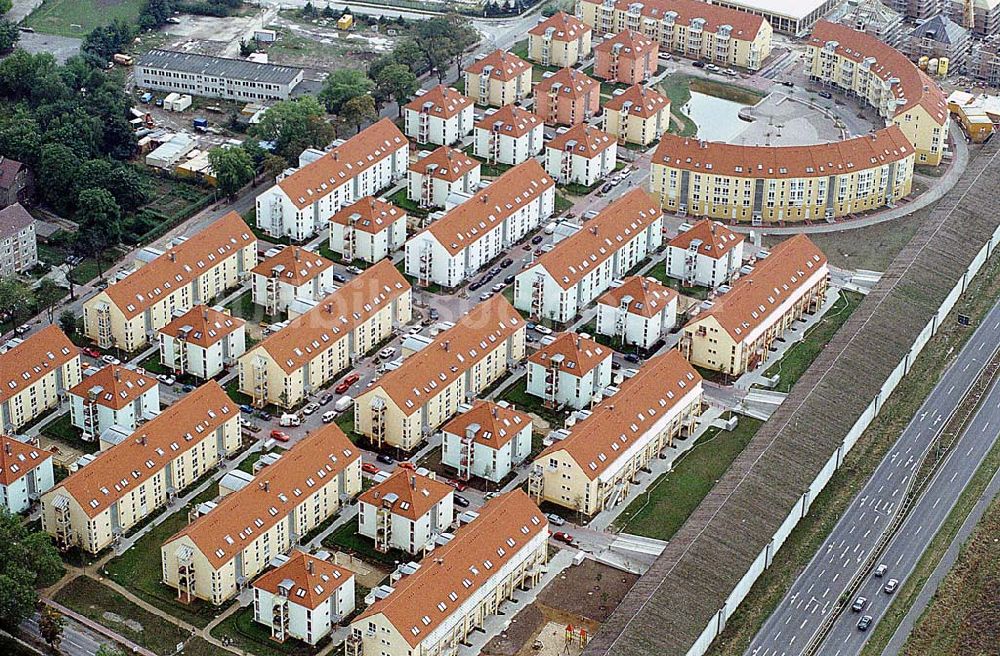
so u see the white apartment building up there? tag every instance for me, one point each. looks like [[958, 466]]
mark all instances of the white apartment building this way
[[409, 403], [370, 230], [303, 598], [215, 77], [317, 346], [581, 155], [407, 511], [97, 504], [437, 175], [581, 267], [202, 342], [220, 552], [471, 235], [114, 396], [18, 247], [301, 203], [638, 312], [486, 441], [707, 254], [35, 374], [499, 78], [440, 116], [436, 608], [293, 273], [128, 313], [571, 371], [592, 468], [509, 135], [25, 474]]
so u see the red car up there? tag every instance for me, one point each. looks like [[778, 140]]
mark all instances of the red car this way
[[561, 536], [408, 465], [280, 436], [370, 468], [457, 484], [346, 383], [92, 352]]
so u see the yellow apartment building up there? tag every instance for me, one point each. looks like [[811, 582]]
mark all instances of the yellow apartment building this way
[[500, 78], [560, 40], [883, 77], [592, 469], [688, 28], [95, 505], [638, 115], [221, 552], [35, 376], [735, 334], [128, 313], [316, 346], [411, 402], [758, 184]]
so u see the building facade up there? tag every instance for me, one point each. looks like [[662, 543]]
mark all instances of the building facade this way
[[871, 17], [486, 441], [628, 57], [369, 230], [581, 155], [689, 28], [707, 254], [592, 468], [563, 281], [128, 313], [220, 552], [25, 474], [567, 97], [301, 203], [510, 135], [202, 342], [639, 312], [440, 116], [736, 332], [757, 184], [18, 243], [315, 347], [500, 78], [114, 396], [936, 38], [409, 403], [407, 511], [638, 115], [292, 273], [215, 77], [473, 234], [984, 60], [37, 373], [439, 174], [124, 484], [16, 182], [559, 40], [571, 371]]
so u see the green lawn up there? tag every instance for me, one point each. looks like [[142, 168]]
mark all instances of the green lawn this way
[[801, 354], [403, 202], [673, 496], [255, 638], [139, 569], [561, 203], [78, 17], [62, 430], [659, 271], [520, 49], [346, 538], [518, 395], [95, 601]]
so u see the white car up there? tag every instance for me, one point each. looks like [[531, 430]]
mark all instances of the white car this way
[[387, 352], [166, 379], [110, 359], [310, 408], [543, 330]]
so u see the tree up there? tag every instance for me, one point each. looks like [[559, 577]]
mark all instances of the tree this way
[[309, 11], [47, 296], [444, 39], [58, 166], [50, 625], [359, 110], [342, 85], [410, 53], [5, 6], [293, 126], [100, 221], [398, 82], [27, 561], [103, 42], [9, 35], [67, 321], [108, 650], [154, 14], [328, 11], [15, 297], [233, 168], [247, 48]]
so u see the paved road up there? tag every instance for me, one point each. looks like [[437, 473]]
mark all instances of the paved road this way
[[815, 592]]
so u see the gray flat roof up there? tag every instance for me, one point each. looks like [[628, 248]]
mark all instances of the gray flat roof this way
[[237, 69], [669, 607]]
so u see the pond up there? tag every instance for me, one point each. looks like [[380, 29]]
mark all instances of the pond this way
[[717, 118]]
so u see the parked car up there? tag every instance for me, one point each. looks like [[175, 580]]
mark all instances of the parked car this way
[[346, 383], [606, 188], [538, 252], [560, 536], [187, 389], [390, 351], [329, 416], [461, 501], [266, 416], [555, 519], [508, 280], [247, 409], [787, 83], [353, 270], [526, 247], [485, 296], [106, 359], [864, 623], [698, 64], [326, 398], [92, 352], [497, 288], [543, 330], [631, 357], [167, 379], [370, 468], [537, 239], [434, 314], [859, 604], [457, 484], [890, 586], [530, 325], [506, 263], [384, 459], [408, 465], [280, 436], [881, 570], [310, 408], [338, 277], [825, 94]]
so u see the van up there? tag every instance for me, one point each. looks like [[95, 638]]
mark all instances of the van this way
[[343, 403], [289, 420], [550, 228], [329, 416]]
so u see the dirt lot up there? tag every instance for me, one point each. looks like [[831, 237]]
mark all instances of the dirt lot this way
[[318, 45]]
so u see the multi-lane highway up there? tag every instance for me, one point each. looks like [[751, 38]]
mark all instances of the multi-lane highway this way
[[814, 595]]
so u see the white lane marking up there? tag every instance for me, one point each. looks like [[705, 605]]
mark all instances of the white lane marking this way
[[936, 503]]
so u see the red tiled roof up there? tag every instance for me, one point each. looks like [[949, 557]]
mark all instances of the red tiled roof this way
[[441, 101], [118, 386], [745, 25], [643, 102], [633, 45], [649, 296], [716, 239], [298, 266], [447, 164], [578, 355], [18, 458], [34, 358], [566, 27], [513, 121], [497, 424], [407, 494], [505, 65], [571, 83], [203, 326], [312, 580], [587, 142], [372, 215]]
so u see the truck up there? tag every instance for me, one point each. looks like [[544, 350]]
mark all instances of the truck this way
[[200, 123], [343, 403], [123, 60], [289, 420]]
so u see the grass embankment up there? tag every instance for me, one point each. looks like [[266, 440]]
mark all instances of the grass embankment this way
[[801, 354], [673, 497], [78, 17], [874, 443]]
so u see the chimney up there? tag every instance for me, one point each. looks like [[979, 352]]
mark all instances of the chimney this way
[[142, 439], [329, 308], [485, 198], [204, 312], [295, 253], [413, 481], [336, 156], [309, 566], [118, 374], [173, 256], [267, 486], [6, 445], [446, 344]]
